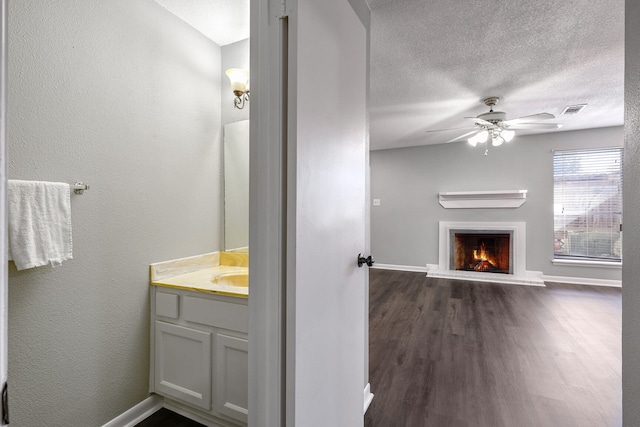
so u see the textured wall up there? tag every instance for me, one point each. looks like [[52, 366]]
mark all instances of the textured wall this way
[[631, 248], [124, 96], [404, 229]]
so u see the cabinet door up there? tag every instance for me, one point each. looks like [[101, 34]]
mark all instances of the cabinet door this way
[[232, 376], [183, 364]]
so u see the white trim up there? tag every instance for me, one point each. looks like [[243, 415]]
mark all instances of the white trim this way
[[4, 280], [399, 267], [266, 235], [508, 199], [136, 414], [587, 263], [530, 278], [583, 281], [519, 243], [533, 278], [368, 397]]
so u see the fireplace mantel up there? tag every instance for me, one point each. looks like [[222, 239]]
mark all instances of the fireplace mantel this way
[[482, 199]]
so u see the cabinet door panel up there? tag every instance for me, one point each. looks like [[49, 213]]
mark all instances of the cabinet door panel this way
[[183, 364], [232, 376], [167, 305]]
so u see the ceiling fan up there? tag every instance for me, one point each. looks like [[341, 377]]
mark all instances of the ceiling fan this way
[[495, 125]]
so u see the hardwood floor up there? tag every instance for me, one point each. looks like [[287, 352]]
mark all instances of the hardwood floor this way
[[454, 353], [448, 353]]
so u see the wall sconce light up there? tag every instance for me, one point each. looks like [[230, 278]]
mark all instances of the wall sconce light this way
[[239, 80]]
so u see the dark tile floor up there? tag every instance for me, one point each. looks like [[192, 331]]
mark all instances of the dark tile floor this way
[[167, 418]]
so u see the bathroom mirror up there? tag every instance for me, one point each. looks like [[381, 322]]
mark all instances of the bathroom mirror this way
[[236, 185]]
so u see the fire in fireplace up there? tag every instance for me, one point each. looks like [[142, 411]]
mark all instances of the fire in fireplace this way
[[481, 251]]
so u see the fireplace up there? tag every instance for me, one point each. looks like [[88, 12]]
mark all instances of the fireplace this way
[[482, 251]]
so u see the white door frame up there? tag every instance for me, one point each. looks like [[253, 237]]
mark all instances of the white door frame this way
[[4, 293], [268, 210], [267, 218]]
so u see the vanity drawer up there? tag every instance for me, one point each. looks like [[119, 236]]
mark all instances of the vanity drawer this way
[[219, 314], [167, 305]]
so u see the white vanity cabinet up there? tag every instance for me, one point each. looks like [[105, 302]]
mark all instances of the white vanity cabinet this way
[[199, 354]]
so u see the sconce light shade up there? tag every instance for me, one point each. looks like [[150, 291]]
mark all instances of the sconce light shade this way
[[239, 81]]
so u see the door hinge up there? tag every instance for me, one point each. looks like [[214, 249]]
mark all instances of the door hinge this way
[[5, 404], [621, 227]]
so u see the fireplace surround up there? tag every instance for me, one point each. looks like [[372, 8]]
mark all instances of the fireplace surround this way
[[487, 251], [481, 250]]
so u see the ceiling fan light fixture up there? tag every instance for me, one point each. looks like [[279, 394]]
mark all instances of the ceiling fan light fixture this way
[[496, 141], [483, 136], [479, 137], [495, 126], [507, 135]]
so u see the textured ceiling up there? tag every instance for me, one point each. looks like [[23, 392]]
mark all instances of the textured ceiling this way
[[432, 63], [223, 21]]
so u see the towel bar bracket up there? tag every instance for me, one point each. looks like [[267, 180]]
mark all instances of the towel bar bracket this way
[[79, 187]]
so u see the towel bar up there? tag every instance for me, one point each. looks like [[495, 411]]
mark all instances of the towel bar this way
[[79, 187]]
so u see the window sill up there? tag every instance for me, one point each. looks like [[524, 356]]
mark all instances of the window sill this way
[[581, 263]]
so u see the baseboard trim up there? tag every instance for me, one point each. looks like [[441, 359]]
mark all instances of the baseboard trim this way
[[583, 281], [368, 397], [136, 414], [546, 278], [396, 267]]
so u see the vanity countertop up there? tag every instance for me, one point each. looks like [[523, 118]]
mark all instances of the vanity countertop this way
[[224, 273]]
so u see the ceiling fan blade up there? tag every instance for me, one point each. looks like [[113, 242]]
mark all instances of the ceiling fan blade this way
[[466, 135], [443, 130], [482, 122], [529, 119], [534, 126]]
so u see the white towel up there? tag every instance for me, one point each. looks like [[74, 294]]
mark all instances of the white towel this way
[[39, 223]]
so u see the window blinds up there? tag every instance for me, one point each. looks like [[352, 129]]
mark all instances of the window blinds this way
[[588, 204]]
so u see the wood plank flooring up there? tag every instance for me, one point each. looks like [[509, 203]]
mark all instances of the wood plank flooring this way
[[449, 353]]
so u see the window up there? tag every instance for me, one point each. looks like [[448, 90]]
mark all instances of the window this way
[[587, 192]]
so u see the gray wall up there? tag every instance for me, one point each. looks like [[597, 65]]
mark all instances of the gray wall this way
[[631, 270], [404, 228], [126, 97]]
